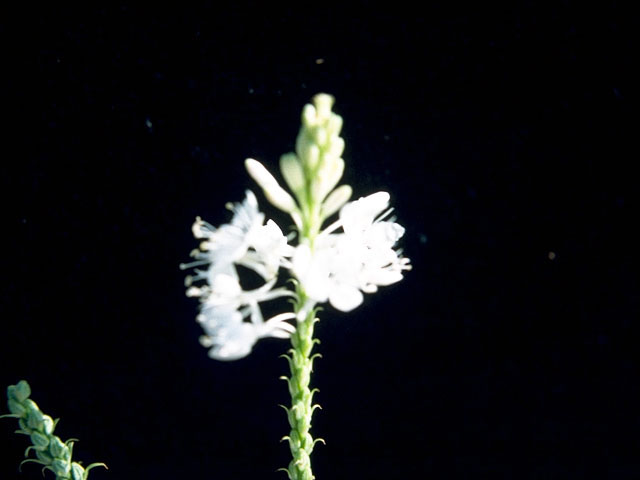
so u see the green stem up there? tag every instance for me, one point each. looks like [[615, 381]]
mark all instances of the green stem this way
[[301, 364]]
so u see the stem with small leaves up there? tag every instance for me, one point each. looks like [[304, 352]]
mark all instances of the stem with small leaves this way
[[50, 451], [299, 414]]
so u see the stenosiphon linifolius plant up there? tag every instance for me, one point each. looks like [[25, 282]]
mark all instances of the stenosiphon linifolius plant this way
[[352, 255], [50, 451]]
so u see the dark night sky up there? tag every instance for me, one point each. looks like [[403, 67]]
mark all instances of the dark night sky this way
[[502, 134]]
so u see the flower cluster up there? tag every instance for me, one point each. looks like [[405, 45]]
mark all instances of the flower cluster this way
[[50, 451], [225, 305], [343, 265], [353, 255]]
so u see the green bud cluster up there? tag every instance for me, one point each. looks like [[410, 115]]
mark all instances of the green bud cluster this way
[[299, 414], [49, 450], [316, 167]]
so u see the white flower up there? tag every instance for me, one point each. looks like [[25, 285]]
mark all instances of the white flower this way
[[225, 306], [343, 265], [245, 241], [224, 310], [269, 251], [331, 272], [363, 225]]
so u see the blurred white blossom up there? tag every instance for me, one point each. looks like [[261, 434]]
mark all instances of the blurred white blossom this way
[[341, 266], [225, 305], [223, 315]]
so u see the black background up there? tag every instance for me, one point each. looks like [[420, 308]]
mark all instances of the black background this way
[[504, 137]]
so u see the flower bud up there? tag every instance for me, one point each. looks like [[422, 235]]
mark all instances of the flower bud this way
[[308, 115], [47, 424], [336, 200], [278, 197], [313, 156], [320, 136], [304, 422], [303, 459], [40, 441], [308, 152], [336, 147], [323, 103], [328, 177], [294, 440], [77, 471], [334, 125], [304, 377], [44, 457], [57, 448], [23, 391], [19, 392], [15, 408], [35, 417], [61, 468], [292, 172], [23, 425], [66, 452], [298, 410]]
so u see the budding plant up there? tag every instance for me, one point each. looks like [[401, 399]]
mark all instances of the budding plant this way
[[49, 450], [337, 263]]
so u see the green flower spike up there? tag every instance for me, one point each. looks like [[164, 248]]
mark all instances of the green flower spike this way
[[50, 451], [300, 361]]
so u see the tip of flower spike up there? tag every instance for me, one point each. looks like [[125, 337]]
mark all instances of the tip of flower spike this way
[[323, 103], [19, 392]]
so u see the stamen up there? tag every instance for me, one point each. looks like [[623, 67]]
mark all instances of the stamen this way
[[334, 226], [384, 214], [197, 263]]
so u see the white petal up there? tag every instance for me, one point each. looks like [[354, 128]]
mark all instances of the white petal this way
[[230, 352], [233, 341], [278, 326], [270, 239], [384, 234], [346, 297], [301, 261], [246, 215], [359, 215], [215, 317], [313, 273], [384, 277], [225, 286]]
